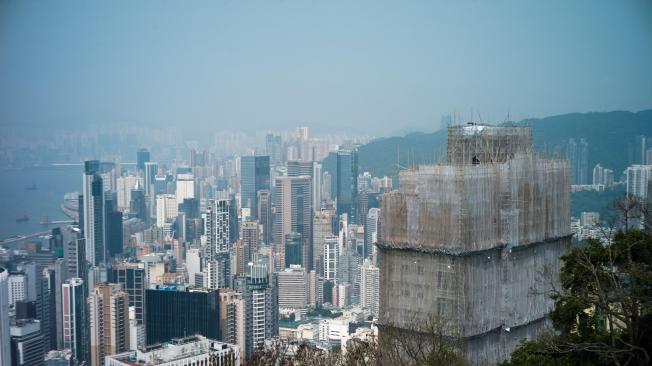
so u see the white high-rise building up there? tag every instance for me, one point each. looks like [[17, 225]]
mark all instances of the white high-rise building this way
[[331, 257], [370, 287], [74, 319], [193, 265], [293, 288], [17, 284], [185, 187], [124, 186], [167, 209], [5, 341], [638, 177]]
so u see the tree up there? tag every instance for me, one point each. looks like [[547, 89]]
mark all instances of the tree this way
[[603, 310], [423, 345]]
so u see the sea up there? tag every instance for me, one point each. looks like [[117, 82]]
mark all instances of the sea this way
[[51, 183]]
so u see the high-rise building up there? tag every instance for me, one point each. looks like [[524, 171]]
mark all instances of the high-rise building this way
[[74, 253], [132, 278], [465, 242], [167, 209], [250, 238], [185, 187], [293, 213], [113, 227], [264, 214], [640, 148], [369, 287], [371, 232], [176, 312], [142, 157], [578, 155], [151, 169], [331, 257], [138, 203], [602, 175], [125, 185], [191, 350], [316, 186], [26, 343], [94, 214], [322, 226], [347, 183], [17, 287], [5, 340], [638, 177], [261, 307], [233, 312], [293, 249], [254, 176], [293, 288], [274, 148], [109, 321], [218, 255], [75, 330]]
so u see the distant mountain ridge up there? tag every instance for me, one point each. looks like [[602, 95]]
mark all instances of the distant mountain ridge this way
[[610, 136]]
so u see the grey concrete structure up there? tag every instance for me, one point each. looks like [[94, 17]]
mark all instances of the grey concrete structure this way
[[468, 243]]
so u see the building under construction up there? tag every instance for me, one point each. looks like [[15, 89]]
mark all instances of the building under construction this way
[[476, 243]]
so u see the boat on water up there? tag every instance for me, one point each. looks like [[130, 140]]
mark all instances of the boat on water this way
[[32, 187], [23, 218]]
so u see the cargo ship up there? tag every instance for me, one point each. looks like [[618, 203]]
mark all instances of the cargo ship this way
[[23, 218]]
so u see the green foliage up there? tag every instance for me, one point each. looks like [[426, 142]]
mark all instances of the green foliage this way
[[603, 313]]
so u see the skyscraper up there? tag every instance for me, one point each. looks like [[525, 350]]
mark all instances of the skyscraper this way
[[75, 336], [142, 157], [113, 218], [233, 312], [465, 242], [132, 278], [250, 238], [578, 156], [293, 249], [274, 148], [369, 287], [293, 288], [261, 307], [94, 214], [26, 343], [218, 256], [371, 232], [347, 183], [185, 187], [293, 213], [322, 225], [151, 169], [331, 258], [5, 340], [254, 176], [177, 312], [264, 214], [138, 203], [109, 321]]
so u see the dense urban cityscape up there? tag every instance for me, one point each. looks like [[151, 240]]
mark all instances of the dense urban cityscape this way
[[325, 183]]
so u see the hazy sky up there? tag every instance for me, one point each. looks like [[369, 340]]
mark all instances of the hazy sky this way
[[383, 66]]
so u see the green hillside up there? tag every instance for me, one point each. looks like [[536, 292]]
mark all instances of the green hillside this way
[[610, 136]]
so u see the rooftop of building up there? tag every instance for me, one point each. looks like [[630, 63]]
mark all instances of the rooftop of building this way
[[176, 349]]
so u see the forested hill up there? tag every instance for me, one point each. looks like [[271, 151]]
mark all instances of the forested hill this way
[[610, 136]]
